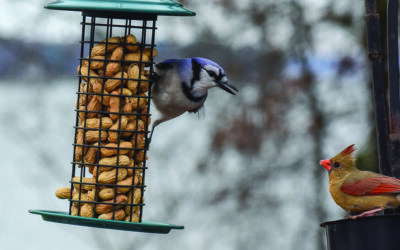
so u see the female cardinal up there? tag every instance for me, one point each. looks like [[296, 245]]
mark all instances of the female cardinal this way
[[362, 193]]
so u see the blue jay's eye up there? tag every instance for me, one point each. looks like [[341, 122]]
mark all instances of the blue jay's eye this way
[[211, 73]]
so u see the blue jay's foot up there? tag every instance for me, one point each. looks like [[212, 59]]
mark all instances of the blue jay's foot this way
[[148, 141], [147, 144]]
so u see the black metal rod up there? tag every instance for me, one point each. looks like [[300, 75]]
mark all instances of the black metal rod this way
[[393, 56], [375, 56], [143, 41], [76, 119], [394, 91]]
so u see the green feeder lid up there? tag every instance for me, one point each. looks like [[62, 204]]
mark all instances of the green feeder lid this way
[[157, 7]]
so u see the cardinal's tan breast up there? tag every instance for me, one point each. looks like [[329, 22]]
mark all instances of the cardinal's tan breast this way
[[358, 204]]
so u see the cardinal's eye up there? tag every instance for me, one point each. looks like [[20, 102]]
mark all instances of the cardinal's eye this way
[[336, 164]]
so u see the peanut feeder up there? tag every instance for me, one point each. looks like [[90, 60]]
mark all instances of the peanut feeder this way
[[107, 185]]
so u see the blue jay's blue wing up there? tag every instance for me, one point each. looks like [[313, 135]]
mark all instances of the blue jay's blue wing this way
[[167, 64], [182, 64], [204, 61]]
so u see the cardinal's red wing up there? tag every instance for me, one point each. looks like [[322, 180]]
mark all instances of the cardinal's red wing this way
[[372, 185]]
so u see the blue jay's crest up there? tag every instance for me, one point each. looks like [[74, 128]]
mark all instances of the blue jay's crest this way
[[213, 69], [204, 61]]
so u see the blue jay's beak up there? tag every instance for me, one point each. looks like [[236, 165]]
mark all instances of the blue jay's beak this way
[[227, 87]]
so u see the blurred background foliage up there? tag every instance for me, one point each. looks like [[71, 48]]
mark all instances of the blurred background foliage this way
[[251, 179]]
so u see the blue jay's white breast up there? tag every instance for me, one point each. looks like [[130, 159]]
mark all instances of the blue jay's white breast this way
[[168, 96]]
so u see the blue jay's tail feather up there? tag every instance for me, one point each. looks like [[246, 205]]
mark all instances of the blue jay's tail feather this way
[[201, 113], [196, 109]]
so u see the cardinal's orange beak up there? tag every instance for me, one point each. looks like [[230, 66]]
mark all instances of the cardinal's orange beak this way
[[327, 164]]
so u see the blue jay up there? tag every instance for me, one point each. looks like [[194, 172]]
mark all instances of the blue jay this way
[[182, 85]]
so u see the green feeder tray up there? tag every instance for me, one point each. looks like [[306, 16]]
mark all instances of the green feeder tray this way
[[144, 226]]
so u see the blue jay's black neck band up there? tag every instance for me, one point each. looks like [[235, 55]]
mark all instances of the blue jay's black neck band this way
[[188, 93], [186, 88], [196, 68]]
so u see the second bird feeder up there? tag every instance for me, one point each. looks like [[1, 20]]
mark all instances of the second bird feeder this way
[[380, 231], [112, 114]]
